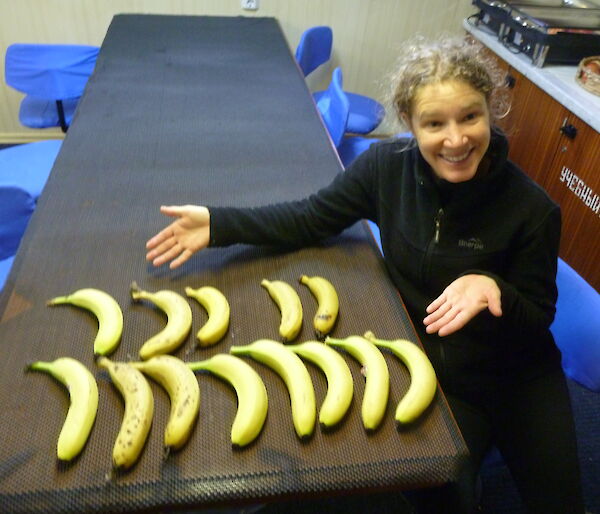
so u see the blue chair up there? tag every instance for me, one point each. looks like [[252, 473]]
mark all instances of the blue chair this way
[[334, 108], [576, 327], [52, 77], [24, 170], [314, 49]]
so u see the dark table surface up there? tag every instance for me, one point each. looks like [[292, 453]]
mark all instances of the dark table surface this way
[[204, 110]]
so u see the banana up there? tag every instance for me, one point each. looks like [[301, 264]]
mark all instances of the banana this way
[[251, 394], [340, 387], [377, 386], [184, 393], [423, 382], [328, 304], [290, 306], [217, 307], [83, 393], [106, 309], [179, 321], [295, 375], [139, 410]]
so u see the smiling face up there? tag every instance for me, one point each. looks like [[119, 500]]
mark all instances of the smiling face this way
[[451, 123]]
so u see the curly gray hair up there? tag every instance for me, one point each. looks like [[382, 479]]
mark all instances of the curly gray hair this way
[[425, 62]]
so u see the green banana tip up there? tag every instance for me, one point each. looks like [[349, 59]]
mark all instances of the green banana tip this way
[[57, 300], [135, 290]]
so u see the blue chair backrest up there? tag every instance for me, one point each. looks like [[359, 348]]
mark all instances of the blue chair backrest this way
[[576, 327], [334, 108], [53, 72], [314, 48]]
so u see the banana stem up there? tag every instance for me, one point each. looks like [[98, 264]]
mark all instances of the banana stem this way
[[58, 300], [136, 291], [38, 366]]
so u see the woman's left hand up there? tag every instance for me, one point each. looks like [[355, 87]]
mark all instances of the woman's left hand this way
[[460, 302]]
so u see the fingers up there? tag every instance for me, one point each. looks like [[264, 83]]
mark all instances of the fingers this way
[[436, 310], [160, 238], [454, 318], [183, 257], [436, 303], [495, 305], [170, 253], [172, 210]]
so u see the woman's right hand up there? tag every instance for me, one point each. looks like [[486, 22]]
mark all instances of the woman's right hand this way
[[177, 242]]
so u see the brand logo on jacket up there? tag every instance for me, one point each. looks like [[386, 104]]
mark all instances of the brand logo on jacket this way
[[472, 243]]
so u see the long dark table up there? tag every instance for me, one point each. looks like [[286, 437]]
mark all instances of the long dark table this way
[[205, 110]]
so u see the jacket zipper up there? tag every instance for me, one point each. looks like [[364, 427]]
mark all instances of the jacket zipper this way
[[426, 268], [427, 271]]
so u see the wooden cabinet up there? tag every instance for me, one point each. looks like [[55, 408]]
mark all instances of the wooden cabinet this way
[[562, 154]]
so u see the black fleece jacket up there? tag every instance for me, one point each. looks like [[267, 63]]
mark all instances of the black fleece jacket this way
[[500, 224]]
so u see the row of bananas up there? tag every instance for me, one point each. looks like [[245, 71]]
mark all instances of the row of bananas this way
[[178, 379], [179, 314]]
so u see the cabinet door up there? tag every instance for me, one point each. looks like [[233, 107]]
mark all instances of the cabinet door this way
[[531, 127], [573, 181]]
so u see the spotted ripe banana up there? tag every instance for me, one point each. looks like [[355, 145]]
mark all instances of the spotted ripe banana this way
[[423, 382], [328, 303], [139, 410], [184, 393], [217, 308], [107, 311], [340, 387], [83, 393], [290, 306], [295, 375], [377, 385], [251, 394], [179, 321]]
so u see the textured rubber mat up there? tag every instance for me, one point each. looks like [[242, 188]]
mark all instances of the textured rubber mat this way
[[204, 110]]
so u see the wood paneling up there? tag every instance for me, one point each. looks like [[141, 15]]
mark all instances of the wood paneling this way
[[533, 127], [567, 168], [573, 180]]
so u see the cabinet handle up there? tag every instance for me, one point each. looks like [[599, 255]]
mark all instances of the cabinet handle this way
[[510, 81], [569, 130]]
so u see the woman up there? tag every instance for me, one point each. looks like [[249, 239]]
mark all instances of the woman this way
[[470, 242]]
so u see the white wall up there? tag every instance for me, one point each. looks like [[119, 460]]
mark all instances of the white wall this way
[[366, 35]]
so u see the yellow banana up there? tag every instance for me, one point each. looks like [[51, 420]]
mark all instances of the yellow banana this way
[[423, 382], [377, 385], [184, 393], [217, 308], [295, 375], [340, 387], [290, 306], [107, 311], [179, 321], [328, 303], [83, 393], [251, 393], [139, 410]]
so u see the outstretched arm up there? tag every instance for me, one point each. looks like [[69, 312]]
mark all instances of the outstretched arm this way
[[189, 233]]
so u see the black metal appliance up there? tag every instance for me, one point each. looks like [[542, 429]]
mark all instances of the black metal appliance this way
[[548, 32]]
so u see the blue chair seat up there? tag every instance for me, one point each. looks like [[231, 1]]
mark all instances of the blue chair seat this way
[[365, 114], [24, 170], [41, 113], [5, 266], [576, 327]]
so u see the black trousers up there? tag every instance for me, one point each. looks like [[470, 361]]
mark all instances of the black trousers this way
[[531, 423]]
